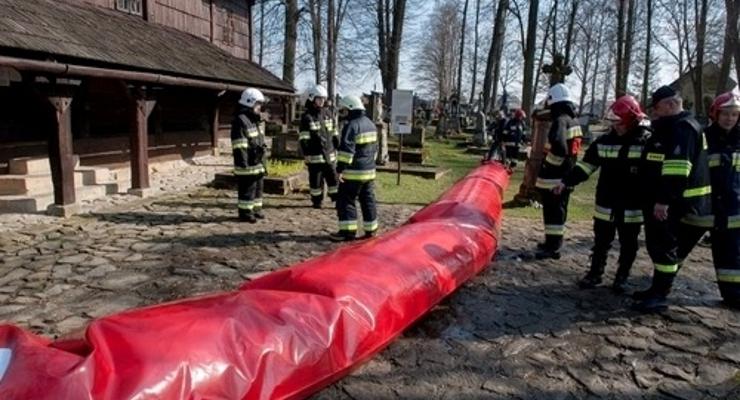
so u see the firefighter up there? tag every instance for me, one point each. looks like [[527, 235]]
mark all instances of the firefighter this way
[[496, 152], [248, 143], [723, 137], [618, 205], [512, 137], [676, 191], [319, 140], [563, 144], [356, 170]]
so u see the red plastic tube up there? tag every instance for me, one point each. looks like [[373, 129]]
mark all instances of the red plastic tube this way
[[283, 336]]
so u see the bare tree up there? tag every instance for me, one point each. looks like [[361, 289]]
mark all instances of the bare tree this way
[[314, 10], [335, 17], [462, 53], [648, 58], [493, 65], [571, 26], [731, 46], [390, 18], [475, 51], [435, 61], [529, 54], [292, 15], [698, 76]]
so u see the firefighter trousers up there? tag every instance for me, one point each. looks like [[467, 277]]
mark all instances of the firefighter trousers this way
[[317, 175], [511, 156], [668, 243], [604, 232], [250, 194], [726, 257], [554, 213], [349, 193]]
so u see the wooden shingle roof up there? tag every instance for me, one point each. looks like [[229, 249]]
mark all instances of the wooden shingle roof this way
[[93, 36]]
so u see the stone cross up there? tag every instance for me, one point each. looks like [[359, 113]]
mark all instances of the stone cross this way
[[558, 70]]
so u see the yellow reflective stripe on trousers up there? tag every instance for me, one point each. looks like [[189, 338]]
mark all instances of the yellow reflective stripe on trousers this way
[[657, 157], [358, 175], [370, 226], [251, 170], [345, 157], [586, 167], [317, 192], [676, 167], [633, 217], [366, 137], [667, 268], [314, 159], [245, 204], [728, 275], [697, 192], [347, 225], [603, 213], [554, 160], [332, 189], [703, 221], [239, 144], [546, 183], [555, 230], [574, 132]]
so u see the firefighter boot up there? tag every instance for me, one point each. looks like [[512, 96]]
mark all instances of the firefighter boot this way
[[620, 279], [593, 277], [246, 216], [343, 236], [259, 214], [551, 249], [654, 299]]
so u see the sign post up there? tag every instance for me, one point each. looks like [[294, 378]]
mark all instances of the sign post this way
[[402, 108]]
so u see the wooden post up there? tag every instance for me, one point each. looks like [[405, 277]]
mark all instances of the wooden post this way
[[61, 158], [215, 123], [140, 142], [540, 127]]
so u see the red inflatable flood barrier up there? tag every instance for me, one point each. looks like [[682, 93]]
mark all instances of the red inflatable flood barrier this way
[[285, 335]]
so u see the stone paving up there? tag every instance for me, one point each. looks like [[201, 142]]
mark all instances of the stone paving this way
[[521, 329]]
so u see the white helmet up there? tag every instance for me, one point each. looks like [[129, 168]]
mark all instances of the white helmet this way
[[351, 103], [250, 97], [558, 93], [317, 91]]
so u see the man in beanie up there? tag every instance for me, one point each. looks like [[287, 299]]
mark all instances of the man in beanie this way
[[676, 191]]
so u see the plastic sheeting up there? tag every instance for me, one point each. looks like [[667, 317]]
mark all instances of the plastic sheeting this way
[[285, 335]]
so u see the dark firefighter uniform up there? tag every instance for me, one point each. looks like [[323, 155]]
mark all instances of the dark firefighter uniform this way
[[724, 222], [618, 205], [356, 164], [248, 143], [512, 137], [319, 140], [563, 143], [675, 172]]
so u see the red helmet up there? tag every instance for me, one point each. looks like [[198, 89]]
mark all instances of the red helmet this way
[[725, 100], [626, 109], [520, 114]]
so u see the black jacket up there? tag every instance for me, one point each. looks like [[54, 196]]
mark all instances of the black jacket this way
[[248, 143], [513, 132], [724, 170], [318, 135], [619, 160], [674, 167], [357, 148], [561, 147]]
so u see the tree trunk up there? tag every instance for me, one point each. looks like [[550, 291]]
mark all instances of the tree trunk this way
[[554, 27], [608, 80], [701, 29], [493, 65], [648, 58], [584, 78], [620, 47], [730, 46], [462, 53], [541, 60], [569, 36], [628, 40], [527, 85], [262, 32], [331, 49], [389, 42], [475, 51], [314, 9], [599, 43], [291, 37]]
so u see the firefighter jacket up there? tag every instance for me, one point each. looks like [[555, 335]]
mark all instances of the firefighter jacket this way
[[499, 130], [318, 135], [248, 143], [619, 160], [561, 149], [724, 170], [675, 169], [513, 132], [357, 148]]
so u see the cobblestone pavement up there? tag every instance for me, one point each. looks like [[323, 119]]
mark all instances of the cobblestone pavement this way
[[519, 330]]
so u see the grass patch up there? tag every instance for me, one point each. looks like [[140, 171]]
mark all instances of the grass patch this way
[[283, 168]]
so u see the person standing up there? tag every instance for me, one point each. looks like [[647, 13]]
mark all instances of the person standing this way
[[618, 206], [677, 193], [512, 137], [319, 139], [356, 172], [563, 144], [248, 145]]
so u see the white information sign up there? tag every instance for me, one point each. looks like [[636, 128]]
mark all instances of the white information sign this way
[[402, 111]]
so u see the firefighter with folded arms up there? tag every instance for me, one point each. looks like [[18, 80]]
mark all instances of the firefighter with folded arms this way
[[676, 192], [319, 139], [618, 205], [248, 144], [356, 169], [563, 144]]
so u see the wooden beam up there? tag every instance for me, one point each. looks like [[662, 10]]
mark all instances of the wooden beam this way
[[142, 107], [61, 157], [215, 123]]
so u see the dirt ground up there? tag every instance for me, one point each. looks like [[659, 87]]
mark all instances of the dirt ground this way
[[519, 330]]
